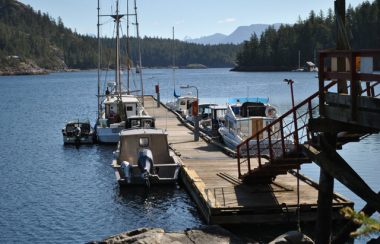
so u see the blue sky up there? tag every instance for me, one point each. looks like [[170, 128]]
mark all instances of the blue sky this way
[[191, 18]]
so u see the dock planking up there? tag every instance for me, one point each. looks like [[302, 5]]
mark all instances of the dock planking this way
[[211, 178]]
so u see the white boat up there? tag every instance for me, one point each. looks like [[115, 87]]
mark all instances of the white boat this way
[[143, 157], [204, 112], [245, 117], [182, 104], [116, 110], [77, 132], [117, 104], [214, 121]]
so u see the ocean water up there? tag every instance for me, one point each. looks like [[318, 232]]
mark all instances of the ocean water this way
[[51, 193]]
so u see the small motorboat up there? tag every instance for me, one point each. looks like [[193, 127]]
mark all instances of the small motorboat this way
[[143, 157], [78, 132]]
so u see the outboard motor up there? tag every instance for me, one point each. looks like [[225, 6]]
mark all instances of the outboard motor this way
[[126, 168], [145, 164]]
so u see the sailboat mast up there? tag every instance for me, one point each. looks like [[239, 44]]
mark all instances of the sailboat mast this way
[[299, 59], [99, 60], [173, 63], [117, 71], [139, 53], [128, 53]]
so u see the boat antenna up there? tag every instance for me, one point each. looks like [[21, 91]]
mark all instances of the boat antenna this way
[[139, 53], [99, 60]]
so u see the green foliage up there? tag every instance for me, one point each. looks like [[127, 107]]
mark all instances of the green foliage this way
[[279, 48], [368, 225], [36, 36]]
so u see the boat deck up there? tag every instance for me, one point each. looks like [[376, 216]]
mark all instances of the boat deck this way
[[211, 178]]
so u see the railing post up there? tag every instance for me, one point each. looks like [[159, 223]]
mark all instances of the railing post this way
[[310, 108], [368, 88], [248, 157], [294, 117], [238, 159], [321, 76], [282, 137], [258, 150], [270, 144], [354, 86]]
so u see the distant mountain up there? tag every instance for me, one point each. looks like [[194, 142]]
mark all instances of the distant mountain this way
[[241, 34]]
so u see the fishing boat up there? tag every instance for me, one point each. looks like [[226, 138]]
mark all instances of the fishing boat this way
[[116, 104], [204, 112], [182, 104], [245, 117], [143, 157], [78, 131], [216, 119]]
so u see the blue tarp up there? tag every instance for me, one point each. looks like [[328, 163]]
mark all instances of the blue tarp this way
[[248, 99]]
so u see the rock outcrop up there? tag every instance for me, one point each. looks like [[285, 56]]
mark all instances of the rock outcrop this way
[[209, 234]]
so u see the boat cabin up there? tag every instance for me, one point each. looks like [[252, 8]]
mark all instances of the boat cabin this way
[[140, 121], [183, 104], [115, 111], [249, 117], [78, 131], [143, 157]]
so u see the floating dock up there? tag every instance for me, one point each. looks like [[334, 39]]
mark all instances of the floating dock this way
[[211, 178]]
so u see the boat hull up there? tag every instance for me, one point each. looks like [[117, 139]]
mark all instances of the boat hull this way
[[108, 135], [78, 140], [232, 141], [165, 174]]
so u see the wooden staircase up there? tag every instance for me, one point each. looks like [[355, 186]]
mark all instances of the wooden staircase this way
[[347, 117]]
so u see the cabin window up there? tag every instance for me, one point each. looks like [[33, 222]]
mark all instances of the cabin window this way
[[144, 141], [183, 103], [129, 108]]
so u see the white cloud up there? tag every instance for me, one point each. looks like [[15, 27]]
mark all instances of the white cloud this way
[[227, 20]]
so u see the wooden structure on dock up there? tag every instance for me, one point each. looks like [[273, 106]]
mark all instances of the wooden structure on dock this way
[[319, 126], [212, 179]]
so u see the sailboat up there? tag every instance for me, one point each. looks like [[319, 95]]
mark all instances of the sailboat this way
[[116, 105], [181, 104], [299, 63]]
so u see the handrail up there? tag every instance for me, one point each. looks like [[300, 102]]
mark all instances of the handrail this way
[[282, 144], [268, 147]]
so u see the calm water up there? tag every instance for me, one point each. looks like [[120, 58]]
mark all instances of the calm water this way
[[55, 193]]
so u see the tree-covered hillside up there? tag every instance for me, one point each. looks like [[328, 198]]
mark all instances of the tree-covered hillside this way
[[278, 50], [35, 39]]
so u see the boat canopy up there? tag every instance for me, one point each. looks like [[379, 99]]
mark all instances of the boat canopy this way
[[248, 99], [79, 121], [154, 139]]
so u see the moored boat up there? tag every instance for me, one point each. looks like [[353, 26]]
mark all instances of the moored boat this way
[[78, 131], [117, 104], [143, 157], [245, 117], [182, 104]]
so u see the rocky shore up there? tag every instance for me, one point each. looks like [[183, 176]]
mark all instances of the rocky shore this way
[[208, 234]]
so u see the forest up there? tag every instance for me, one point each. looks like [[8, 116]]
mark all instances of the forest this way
[[38, 40], [278, 49], [29, 36]]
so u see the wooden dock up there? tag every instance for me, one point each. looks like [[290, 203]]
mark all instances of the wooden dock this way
[[211, 178]]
